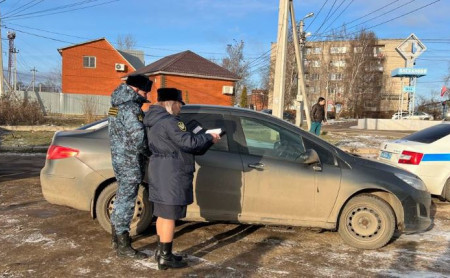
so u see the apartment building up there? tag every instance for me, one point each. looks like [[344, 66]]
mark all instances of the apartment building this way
[[330, 73]]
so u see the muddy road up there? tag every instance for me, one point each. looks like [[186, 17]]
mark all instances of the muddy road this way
[[38, 239]]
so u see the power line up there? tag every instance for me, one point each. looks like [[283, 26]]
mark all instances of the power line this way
[[66, 11], [314, 19], [23, 7], [326, 18], [338, 16]]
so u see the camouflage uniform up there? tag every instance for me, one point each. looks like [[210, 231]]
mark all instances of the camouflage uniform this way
[[128, 152]]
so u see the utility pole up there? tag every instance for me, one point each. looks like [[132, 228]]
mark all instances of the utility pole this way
[[299, 54], [1, 61], [280, 64], [34, 70]]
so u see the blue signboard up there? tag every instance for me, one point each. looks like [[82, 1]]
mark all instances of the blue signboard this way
[[408, 72], [409, 89]]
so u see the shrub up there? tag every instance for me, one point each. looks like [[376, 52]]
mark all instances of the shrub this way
[[15, 111]]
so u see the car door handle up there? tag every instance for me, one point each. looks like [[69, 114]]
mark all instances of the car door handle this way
[[259, 166]]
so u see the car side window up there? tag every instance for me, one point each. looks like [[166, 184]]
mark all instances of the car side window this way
[[209, 121], [326, 157], [264, 139]]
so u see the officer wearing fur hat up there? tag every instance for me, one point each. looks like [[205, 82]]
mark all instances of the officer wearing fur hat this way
[[128, 152], [171, 169]]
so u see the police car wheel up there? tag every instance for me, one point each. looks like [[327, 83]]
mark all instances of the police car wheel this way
[[367, 222], [447, 190], [142, 217]]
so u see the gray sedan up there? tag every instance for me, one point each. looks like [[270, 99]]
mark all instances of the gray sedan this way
[[264, 170]]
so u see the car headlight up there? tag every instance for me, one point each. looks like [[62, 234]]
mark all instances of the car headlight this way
[[413, 181]]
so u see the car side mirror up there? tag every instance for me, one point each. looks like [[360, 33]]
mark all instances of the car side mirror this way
[[310, 156]]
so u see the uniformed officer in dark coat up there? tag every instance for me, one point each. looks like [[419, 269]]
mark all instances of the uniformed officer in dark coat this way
[[128, 150], [171, 169]]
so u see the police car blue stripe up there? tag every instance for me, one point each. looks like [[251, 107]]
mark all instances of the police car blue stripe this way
[[436, 157]]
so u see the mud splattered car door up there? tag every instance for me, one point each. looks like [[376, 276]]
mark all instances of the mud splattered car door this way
[[278, 187]]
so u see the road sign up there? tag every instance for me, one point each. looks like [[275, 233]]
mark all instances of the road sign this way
[[410, 49], [409, 89], [408, 72]]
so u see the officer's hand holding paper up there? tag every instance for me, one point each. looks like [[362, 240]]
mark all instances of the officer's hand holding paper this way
[[196, 128]]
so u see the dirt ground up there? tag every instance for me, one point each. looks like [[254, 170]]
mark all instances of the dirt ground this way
[[38, 239]]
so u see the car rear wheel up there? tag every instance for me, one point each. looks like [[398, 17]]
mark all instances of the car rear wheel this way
[[142, 217], [367, 222]]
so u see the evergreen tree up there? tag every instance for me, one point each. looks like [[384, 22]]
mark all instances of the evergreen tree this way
[[243, 102]]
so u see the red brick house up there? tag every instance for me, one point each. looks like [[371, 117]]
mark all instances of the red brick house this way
[[258, 100], [200, 80], [96, 67]]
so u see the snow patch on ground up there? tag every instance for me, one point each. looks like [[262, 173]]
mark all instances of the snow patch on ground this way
[[267, 272], [37, 238], [83, 271]]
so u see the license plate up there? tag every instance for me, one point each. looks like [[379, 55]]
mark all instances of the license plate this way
[[386, 155]]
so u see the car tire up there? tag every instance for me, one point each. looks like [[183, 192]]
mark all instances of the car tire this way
[[367, 222], [447, 190], [142, 217]]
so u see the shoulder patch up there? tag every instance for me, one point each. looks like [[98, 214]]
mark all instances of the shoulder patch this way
[[182, 126], [113, 111], [140, 117]]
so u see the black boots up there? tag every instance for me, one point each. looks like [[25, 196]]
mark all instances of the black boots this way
[[113, 238], [166, 259], [124, 248], [177, 258]]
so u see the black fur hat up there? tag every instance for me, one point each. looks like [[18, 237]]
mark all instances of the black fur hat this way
[[140, 81], [165, 94]]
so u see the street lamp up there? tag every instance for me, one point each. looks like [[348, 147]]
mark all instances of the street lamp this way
[[301, 81]]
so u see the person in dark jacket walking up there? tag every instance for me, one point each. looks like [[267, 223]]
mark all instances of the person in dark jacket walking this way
[[171, 169], [128, 152], [317, 116]]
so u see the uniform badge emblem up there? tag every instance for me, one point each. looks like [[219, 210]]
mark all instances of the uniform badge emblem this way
[[182, 126], [140, 118]]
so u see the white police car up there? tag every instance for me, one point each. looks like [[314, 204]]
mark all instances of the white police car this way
[[425, 153]]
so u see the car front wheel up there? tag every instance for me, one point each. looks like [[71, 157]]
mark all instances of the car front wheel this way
[[142, 216], [367, 222]]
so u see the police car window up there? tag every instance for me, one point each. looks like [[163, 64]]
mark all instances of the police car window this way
[[430, 135], [265, 139], [209, 121]]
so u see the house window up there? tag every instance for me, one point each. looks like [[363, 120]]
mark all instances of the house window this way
[[358, 49], [89, 61], [314, 76], [315, 64], [336, 76], [317, 50], [336, 90], [313, 90], [378, 51], [338, 63], [338, 49]]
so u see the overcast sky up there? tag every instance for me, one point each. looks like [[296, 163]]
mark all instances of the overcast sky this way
[[166, 27]]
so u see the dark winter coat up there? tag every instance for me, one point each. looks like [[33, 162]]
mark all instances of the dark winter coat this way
[[317, 113], [172, 164], [127, 134]]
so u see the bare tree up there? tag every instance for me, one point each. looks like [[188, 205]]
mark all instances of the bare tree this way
[[236, 63], [89, 106], [126, 42], [364, 74]]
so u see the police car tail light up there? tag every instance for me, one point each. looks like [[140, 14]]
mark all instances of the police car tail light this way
[[59, 152], [408, 157]]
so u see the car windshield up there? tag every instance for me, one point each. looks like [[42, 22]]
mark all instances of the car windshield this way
[[430, 135]]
